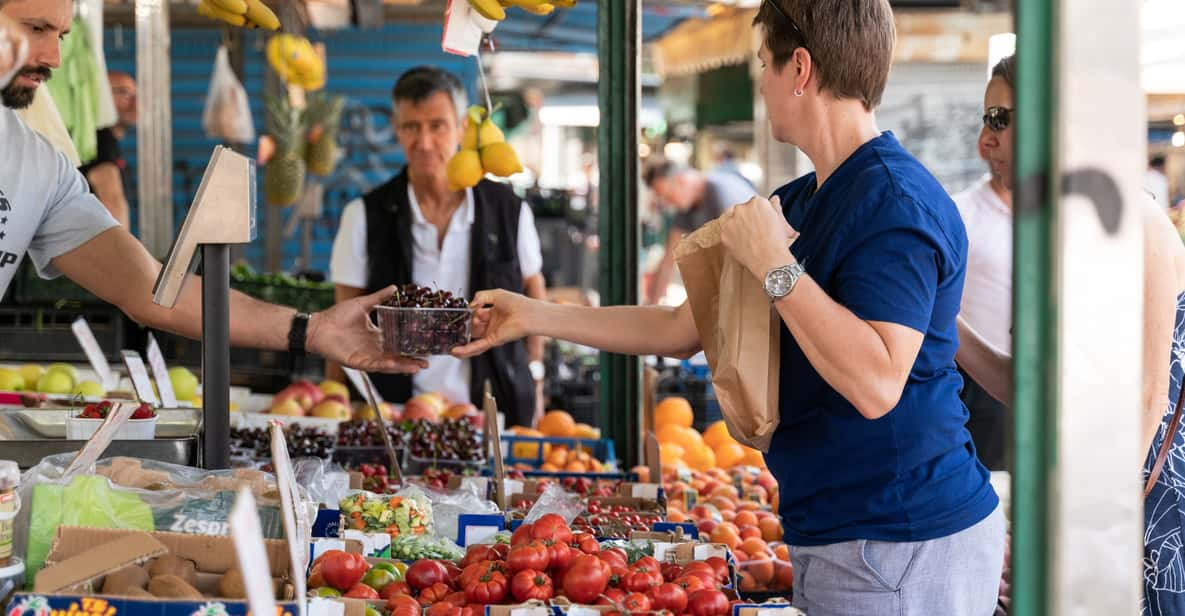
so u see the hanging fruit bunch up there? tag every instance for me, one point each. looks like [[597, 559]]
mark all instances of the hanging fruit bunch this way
[[496, 9], [248, 13], [324, 118], [483, 150], [296, 61], [284, 172]]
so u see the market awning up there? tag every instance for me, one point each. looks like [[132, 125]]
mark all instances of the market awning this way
[[575, 29]]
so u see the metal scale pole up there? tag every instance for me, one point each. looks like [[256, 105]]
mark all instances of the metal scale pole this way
[[216, 355]]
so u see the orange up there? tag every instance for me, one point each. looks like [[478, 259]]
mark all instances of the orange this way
[[728, 454], [753, 458], [557, 423], [783, 576], [700, 457], [726, 534], [782, 552], [771, 529], [749, 532], [717, 434], [669, 453], [669, 434], [728, 514], [760, 567], [528, 451], [722, 502], [548, 467], [675, 411], [576, 466], [674, 515], [754, 546], [583, 430], [748, 583], [558, 456], [746, 518]]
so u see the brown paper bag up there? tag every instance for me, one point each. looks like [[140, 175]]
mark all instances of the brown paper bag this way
[[739, 330]]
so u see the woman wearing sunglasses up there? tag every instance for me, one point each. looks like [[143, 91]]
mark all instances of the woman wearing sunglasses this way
[[1164, 339], [883, 502]]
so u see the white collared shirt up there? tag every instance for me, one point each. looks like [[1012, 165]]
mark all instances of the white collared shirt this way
[[439, 265], [987, 290]]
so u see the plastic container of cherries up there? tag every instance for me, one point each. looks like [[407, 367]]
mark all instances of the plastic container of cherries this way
[[419, 321]]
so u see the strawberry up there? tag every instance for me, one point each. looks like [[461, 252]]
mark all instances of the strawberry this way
[[143, 412]]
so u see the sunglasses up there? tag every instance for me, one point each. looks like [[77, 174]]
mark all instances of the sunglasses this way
[[997, 118], [793, 26]]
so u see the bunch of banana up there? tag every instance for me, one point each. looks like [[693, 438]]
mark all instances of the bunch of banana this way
[[295, 61], [249, 13], [483, 150], [496, 9]]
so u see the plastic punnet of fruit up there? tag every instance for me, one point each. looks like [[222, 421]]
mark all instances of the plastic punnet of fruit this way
[[419, 321], [408, 512]]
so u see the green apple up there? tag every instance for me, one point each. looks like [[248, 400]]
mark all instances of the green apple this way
[[184, 382], [31, 372], [90, 389], [64, 368], [55, 382], [11, 380]]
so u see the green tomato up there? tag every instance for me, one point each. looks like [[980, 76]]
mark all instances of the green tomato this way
[[328, 591], [378, 578]]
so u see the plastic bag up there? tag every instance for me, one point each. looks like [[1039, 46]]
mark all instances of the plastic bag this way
[[326, 482], [448, 505], [135, 494], [227, 115], [407, 512], [555, 499]]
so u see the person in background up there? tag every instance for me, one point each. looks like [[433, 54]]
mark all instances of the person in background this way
[[696, 198], [105, 172], [414, 229], [47, 213], [986, 209], [1156, 182], [1163, 360]]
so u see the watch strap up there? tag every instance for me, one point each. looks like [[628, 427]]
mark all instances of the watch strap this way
[[297, 334]]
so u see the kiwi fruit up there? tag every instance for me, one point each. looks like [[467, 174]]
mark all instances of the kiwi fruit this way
[[174, 565], [121, 581], [137, 593], [230, 585], [172, 587]]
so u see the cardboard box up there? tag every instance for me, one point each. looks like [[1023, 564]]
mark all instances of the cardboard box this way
[[769, 608], [80, 558]]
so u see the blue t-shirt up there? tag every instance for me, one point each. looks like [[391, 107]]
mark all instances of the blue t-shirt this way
[[883, 239]]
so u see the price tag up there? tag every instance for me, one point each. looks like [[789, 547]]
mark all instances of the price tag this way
[[139, 374], [661, 549], [479, 534], [94, 353], [705, 551], [463, 29], [645, 490], [248, 538], [160, 373]]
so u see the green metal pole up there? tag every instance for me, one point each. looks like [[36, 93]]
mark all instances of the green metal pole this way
[[1034, 315], [619, 40]]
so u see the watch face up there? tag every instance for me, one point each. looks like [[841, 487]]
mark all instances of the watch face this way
[[778, 283]]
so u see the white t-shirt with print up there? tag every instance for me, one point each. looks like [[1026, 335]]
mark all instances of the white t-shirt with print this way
[[46, 208], [441, 265], [987, 292]]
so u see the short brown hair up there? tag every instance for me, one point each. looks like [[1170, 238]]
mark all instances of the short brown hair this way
[[850, 42], [1006, 69]]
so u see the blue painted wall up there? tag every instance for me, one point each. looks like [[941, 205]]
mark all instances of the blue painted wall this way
[[363, 66]]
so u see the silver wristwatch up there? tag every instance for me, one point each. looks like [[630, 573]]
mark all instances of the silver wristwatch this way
[[538, 370], [780, 281]]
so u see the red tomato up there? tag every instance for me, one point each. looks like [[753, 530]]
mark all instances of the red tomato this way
[[394, 588], [559, 557], [489, 588], [551, 527], [341, 570], [670, 571], [708, 603], [611, 596], [522, 535], [457, 598], [613, 555], [361, 591], [637, 603], [476, 570], [641, 579], [585, 543], [721, 567], [403, 605], [530, 584], [434, 593], [690, 583], [473, 610], [649, 562], [586, 579], [443, 608], [452, 570], [502, 550], [534, 555], [706, 575], [478, 553], [669, 597], [425, 573]]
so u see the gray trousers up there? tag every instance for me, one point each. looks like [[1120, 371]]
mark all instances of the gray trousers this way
[[957, 575]]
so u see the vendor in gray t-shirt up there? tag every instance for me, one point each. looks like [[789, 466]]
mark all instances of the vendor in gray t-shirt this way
[[696, 198], [47, 212]]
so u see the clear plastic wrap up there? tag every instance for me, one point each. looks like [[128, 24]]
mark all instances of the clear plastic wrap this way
[[135, 494], [555, 499], [326, 482], [448, 505]]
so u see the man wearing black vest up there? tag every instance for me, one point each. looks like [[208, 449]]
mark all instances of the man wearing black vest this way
[[414, 229]]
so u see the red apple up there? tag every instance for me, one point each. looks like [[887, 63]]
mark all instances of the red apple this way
[[289, 407], [477, 420], [295, 394], [459, 410], [705, 526], [336, 397], [316, 394], [331, 409], [418, 409]]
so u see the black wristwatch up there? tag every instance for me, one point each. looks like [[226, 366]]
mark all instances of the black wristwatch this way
[[297, 334]]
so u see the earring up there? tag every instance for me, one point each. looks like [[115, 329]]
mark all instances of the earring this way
[[798, 92]]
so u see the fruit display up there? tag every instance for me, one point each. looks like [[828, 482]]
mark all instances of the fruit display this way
[[452, 440], [496, 9], [419, 321], [682, 445], [58, 379], [100, 410], [330, 400], [483, 150], [303, 442], [296, 61], [416, 547], [241, 13], [408, 513]]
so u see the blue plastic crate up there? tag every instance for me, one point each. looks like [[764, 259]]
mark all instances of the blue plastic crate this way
[[602, 449]]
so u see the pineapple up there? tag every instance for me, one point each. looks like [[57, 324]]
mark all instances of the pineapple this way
[[283, 176], [324, 116]]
